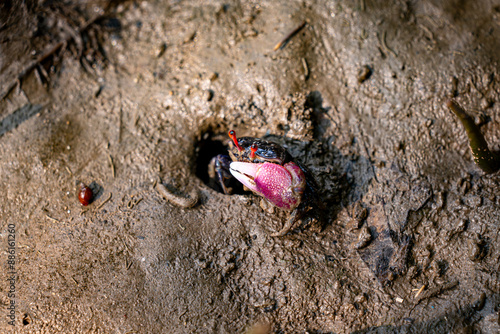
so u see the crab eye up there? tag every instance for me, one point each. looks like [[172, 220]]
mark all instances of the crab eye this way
[[253, 149], [232, 135]]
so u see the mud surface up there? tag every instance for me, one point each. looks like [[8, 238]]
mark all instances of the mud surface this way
[[411, 237]]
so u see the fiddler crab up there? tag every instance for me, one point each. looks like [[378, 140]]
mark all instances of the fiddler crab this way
[[269, 171]]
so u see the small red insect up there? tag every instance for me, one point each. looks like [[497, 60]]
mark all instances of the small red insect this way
[[85, 194]]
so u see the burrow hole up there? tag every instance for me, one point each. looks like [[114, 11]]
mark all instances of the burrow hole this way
[[209, 146]]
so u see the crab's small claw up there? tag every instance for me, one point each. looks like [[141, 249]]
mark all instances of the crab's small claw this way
[[283, 186]]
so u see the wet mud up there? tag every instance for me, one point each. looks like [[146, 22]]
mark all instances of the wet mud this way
[[136, 101]]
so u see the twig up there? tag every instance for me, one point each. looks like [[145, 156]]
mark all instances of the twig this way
[[125, 244], [53, 219], [112, 165], [120, 125], [185, 311], [420, 291], [438, 290], [434, 292], [44, 56], [29, 68], [105, 201], [285, 40], [306, 68]]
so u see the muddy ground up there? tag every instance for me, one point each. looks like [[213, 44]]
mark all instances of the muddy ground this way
[[147, 93]]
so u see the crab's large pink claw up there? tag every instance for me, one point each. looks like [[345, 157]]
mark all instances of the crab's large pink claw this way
[[281, 185]]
